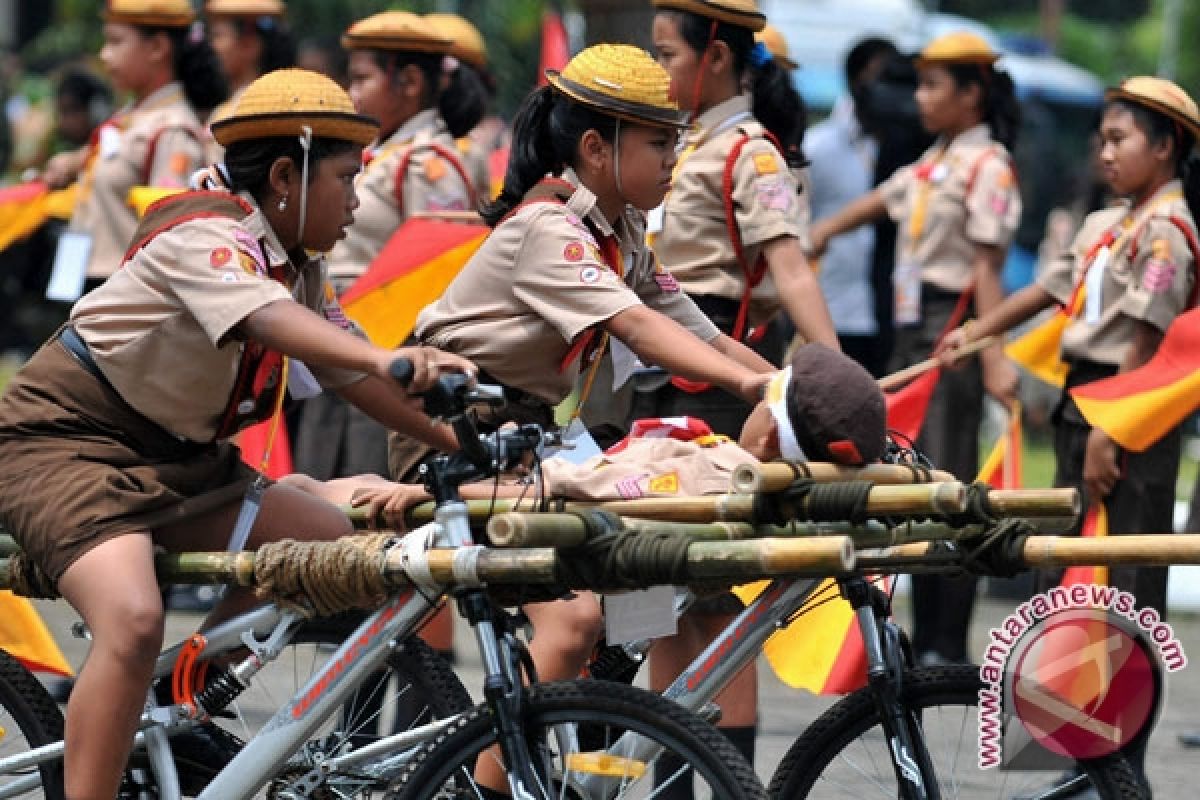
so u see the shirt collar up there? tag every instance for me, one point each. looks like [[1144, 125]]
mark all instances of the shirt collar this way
[[718, 114], [257, 226], [421, 122], [977, 135]]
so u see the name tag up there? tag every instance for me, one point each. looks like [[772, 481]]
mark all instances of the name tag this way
[[1093, 304], [641, 614], [70, 267], [907, 283]]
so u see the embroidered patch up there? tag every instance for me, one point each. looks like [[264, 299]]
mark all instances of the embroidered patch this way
[[330, 294], [1004, 180], [773, 195], [180, 164], [250, 252], [573, 251], [585, 232], [332, 309], [444, 203], [435, 169], [999, 202], [220, 256], [589, 274], [629, 487], [229, 277], [667, 483], [1159, 276], [666, 281], [765, 164]]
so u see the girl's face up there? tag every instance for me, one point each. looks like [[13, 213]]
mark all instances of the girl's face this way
[[677, 57], [331, 200], [239, 55], [944, 106], [647, 157], [1131, 163], [378, 93], [129, 56]]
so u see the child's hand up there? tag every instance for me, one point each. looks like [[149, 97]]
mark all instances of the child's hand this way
[[1100, 469], [428, 364], [387, 505]]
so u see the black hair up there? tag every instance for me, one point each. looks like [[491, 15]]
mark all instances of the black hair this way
[[545, 139], [1158, 128], [776, 104], [998, 98], [278, 46], [430, 64], [863, 53], [329, 46], [248, 162], [464, 101], [196, 67], [87, 91]]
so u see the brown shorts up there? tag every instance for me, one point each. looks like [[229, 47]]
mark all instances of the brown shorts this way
[[80, 466]]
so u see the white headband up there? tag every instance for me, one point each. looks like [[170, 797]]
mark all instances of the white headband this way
[[776, 399]]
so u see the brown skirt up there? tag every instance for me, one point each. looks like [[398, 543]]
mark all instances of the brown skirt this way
[[79, 466]]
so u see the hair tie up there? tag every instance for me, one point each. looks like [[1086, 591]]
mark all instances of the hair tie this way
[[265, 23], [196, 33], [760, 55]]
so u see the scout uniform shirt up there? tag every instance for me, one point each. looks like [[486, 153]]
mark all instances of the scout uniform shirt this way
[[162, 328], [694, 241], [430, 184], [157, 142], [956, 196], [1132, 264], [538, 282]]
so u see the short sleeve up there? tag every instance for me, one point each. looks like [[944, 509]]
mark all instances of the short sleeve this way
[[765, 200], [177, 154], [1161, 275], [993, 202], [214, 270], [895, 190], [560, 275]]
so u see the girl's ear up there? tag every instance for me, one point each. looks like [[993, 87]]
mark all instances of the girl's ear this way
[[284, 179], [594, 152], [721, 59], [972, 94], [158, 48], [410, 82]]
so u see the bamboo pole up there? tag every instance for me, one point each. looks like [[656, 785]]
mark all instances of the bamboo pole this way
[[1141, 550], [775, 476], [897, 379], [1034, 502]]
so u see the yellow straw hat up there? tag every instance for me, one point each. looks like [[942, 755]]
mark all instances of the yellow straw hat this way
[[395, 30], [742, 13], [284, 102], [150, 13], [1161, 95], [621, 80], [957, 48], [776, 45], [466, 43], [245, 8]]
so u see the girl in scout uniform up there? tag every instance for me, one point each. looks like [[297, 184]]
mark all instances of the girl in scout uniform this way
[[114, 437], [957, 208], [157, 140], [395, 77]]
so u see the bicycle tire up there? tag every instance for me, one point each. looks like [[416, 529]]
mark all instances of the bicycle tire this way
[[844, 751], [450, 758], [26, 707]]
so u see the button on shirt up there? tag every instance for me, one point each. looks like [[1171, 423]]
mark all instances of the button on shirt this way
[[162, 328], [538, 282]]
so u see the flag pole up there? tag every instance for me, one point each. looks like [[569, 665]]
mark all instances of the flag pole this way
[[897, 379]]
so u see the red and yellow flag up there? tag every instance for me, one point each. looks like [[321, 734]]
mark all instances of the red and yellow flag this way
[[413, 269], [1002, 468], [1040, 350], [25, 637], [1095, 524], [1139, 407], [906, 407], [26, 206]]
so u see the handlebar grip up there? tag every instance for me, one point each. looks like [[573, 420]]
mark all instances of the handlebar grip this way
[[402, 371]]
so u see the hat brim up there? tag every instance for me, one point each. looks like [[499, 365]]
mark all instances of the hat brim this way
[[395, 44], [150, 19], [356, 128], [641, 113], [755, 21], [1193, 125], [981, 59]]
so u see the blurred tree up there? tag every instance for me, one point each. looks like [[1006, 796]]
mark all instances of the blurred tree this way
[[1111, 11]]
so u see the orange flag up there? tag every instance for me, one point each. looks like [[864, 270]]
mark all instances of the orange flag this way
[[253, 441], [906, 407], [1139, 407], [1040, 350], [25, 637], [1094, 524], [413, 269], [1002, 468]]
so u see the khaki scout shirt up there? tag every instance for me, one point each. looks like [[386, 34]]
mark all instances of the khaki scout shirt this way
[[954, 221], [538, 282], [162, 328], [430, 184], [118, 163], [1149, 275], [694, 242]]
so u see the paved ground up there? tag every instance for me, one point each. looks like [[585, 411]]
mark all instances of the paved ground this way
[[785, 712]]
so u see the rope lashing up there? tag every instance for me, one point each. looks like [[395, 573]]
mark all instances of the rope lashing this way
[[999, 551], [815, 502], [324, 577]]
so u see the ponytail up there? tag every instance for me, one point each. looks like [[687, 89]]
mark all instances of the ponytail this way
[[998, 96], [464, 100], [278, 46], [545, 140], [197, 68]]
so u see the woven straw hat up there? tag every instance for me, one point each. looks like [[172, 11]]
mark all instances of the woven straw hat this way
[[282, 102], [621, 80], [245, 8], [776, 45], [957, 48], [395, 30], [466, 43], [1161, 95], [742, 13], [150, 13]]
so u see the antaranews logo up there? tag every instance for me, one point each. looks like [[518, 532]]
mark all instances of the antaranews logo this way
[[1074, 672]]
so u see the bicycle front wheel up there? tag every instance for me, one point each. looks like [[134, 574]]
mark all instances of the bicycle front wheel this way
[[845, 752], [29, 718], [611, 768]]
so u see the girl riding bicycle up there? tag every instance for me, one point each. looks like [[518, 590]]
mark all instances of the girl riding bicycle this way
[[115, 435]]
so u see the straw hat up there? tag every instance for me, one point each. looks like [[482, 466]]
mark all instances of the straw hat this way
[[1161, 95], [466, 43], [395, 30], [150, 13], [776, 45], [957, 48], [742, 13], [245, 8], [621, 80], [282, 102]]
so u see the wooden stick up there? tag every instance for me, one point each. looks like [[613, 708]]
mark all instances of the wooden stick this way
[[776, 476], [448, 215], [897, 379]]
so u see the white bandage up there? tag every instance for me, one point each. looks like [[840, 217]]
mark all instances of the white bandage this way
[[776, 399]]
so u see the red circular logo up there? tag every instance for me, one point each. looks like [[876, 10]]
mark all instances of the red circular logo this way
[[1084, 686]]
